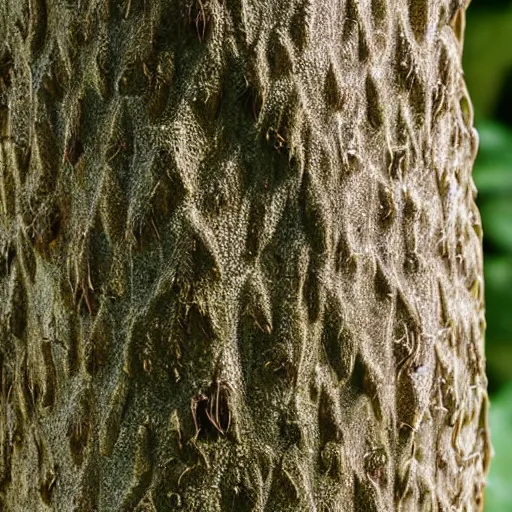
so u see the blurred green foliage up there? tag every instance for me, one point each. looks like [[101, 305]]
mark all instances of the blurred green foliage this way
[[488, 71], [493, 178], [498, 496]]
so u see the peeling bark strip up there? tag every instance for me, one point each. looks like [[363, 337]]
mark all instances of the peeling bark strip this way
[[240, 258]]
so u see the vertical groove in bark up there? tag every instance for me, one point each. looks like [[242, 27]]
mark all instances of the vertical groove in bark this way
[[240, 259]]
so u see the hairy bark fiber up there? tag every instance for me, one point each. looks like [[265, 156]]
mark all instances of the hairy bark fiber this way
[[241, 263]]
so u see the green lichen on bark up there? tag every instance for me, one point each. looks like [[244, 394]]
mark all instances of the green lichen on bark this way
[[241, 261]]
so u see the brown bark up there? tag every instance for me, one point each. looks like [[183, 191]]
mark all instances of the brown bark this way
[[241, 263]]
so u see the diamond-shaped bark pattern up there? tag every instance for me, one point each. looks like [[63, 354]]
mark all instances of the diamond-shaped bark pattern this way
[[240, 259]]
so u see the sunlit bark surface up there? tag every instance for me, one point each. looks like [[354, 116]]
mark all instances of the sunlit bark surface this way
[[240, 258]]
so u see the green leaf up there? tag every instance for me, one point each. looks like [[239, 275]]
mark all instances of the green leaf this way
[[494, 136], [497, 222], [498, 298], [498, 275], [493, 167], [498, 495], [493, 177]]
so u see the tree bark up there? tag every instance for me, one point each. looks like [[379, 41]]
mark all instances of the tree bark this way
[[241, 261]]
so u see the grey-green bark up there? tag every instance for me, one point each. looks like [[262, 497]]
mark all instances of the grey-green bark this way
[[241, 261]]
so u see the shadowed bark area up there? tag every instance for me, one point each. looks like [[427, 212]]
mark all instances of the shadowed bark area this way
[[240, 258]]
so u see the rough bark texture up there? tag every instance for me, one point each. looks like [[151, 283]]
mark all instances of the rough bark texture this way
[[241, 261]]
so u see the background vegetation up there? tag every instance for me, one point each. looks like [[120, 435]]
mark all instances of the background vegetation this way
[[488, 69]]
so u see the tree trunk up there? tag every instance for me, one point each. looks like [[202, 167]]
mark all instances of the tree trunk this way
[[241, 263]]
